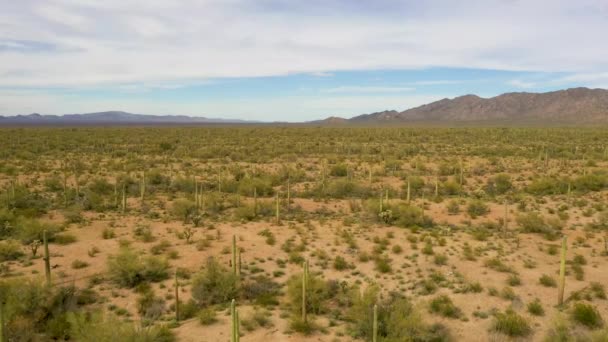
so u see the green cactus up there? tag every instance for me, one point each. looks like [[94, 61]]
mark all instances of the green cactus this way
[[375, 324], [304, 290], [409, 191], [2, 329], [142, 188], [234, 315], [278, 213], [124, 198], [255, 201], [234, 251], [176, 298], [47, 258], [562, 273]]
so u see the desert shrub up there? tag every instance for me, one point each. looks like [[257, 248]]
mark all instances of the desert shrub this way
[[207, 316], [129, 268], [318, 293], [397, 319], [10, 250], [533, 222], [340, 263], [215, 284], [183, 209], [262, 186], [261, 290], [453, 207], [408, 216], [28, 230], [587, 315], [547, 186], [78, 264], [536, 308], [339, 170], [511, 324], [108, 328], [443, 305], [477, 208], [149, 306], [499, 184], [548, 281], [64, 238]]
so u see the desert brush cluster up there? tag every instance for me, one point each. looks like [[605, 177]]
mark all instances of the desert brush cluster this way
[[302, 233]]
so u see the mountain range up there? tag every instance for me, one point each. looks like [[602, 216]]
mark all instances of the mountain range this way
[[576, 106], [110, 117]]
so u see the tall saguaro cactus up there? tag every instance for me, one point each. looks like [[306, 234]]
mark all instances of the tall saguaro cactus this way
[[234, 251], [304, 290], [375, 324], [409, 190], [176, 298], [142, 188], [562, 272], [255, 201], [47, 259], [234, 315], [124, 198], [278, 210], [2, 329]]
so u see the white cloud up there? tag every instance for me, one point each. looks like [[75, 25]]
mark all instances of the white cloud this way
[[366, 89], [521, 84], [114, 41]]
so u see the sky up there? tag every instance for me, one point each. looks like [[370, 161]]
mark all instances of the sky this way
[[288, 60]]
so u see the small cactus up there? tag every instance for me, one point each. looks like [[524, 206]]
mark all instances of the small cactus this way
[[47, 259], [375, 324], [562, 273]]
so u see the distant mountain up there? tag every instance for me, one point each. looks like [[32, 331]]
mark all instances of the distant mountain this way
[[577, 106], [111, 117]]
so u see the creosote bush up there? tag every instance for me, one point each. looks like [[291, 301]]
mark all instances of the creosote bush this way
[[215, 284], [129, 268]]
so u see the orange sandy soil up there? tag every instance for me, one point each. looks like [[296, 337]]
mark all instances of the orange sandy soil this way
[[409, 266]]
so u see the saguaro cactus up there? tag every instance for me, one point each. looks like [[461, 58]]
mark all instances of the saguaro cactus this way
[[255, 202], [288, 194], [142, 188], [47, 259], [506, 218], [409, 190], [2, 329], [304, 290], [234, 315], [124, 198], [278, 213], [176, 298], [234, 254], [562, 273], [375, 324]]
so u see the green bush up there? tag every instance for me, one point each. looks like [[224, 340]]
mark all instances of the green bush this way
[[129, 268], [587, 315], [215, 284], [444, 306], [536, 308], [511, 324], [477, 208], [10, 250], [207, 316], [548, 281], [108, 328]]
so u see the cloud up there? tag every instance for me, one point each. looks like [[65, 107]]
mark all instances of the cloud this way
[[365, 89], [522, 84], [116, 42]]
